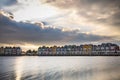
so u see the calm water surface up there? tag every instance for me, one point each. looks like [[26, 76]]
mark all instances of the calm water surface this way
[[59, 68]]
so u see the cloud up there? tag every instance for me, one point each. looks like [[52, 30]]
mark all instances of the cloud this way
[[4, 3], [85, 3], [12, 32], [100, 12]]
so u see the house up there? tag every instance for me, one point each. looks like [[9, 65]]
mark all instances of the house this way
[[1, 50], [18, 51]]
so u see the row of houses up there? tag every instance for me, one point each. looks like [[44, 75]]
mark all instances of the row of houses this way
[[10, 51], [87, 49]]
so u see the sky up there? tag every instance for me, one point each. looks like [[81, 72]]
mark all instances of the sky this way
[[33, 23]]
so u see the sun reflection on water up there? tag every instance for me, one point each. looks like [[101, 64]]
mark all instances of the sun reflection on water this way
[[19, 68]]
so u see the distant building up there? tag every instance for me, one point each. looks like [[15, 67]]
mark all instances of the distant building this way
[[12, 51], [1, 50], [18, 51], [54, 50], [86, 49], [6, 51]]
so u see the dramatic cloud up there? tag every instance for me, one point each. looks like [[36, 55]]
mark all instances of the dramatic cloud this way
[[51, 22], [12, 32], [100, 12]]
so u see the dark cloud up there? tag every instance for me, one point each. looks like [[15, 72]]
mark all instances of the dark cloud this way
[[95, 11], [4, 3], [19, 32]]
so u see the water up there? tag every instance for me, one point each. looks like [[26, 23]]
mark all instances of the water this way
[[59, 68]]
